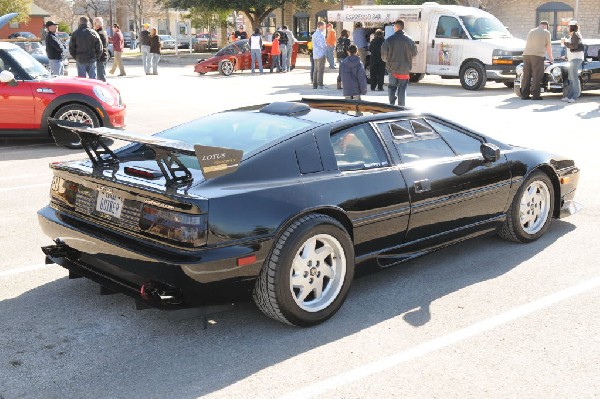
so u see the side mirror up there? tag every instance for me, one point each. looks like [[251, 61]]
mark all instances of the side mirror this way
[[490, 152], [8, 78]]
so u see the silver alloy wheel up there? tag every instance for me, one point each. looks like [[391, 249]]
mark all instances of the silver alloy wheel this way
[[318, 272], [534, 207], [226, 67], [77, 115], [471, 76]]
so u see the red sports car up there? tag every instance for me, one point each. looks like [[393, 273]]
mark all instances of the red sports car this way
[[29, 95], [236, 57]]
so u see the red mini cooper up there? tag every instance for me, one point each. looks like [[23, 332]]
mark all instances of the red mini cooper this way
[[30, 95]]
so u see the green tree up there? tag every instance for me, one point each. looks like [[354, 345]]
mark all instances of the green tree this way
[[255, 10], [23, 7]]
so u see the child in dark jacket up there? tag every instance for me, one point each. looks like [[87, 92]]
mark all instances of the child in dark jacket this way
[[354, 77]]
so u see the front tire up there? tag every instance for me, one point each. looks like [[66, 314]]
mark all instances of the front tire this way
[[308, 274], [473, 76], [531, 210], [225, 67], [77, 113]]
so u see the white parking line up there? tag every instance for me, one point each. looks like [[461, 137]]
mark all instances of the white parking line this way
[[23, 187], [440, 342], [24, 269]]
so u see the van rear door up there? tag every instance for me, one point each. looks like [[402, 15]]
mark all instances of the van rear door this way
[[445, 45]]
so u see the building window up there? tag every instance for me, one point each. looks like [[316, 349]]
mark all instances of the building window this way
[[268, 26], [301, 25], [558, 15]]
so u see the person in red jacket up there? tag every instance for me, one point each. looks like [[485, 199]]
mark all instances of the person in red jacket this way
[[118, 44], [275, 53]]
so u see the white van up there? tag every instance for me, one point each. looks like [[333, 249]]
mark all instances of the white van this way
[[453, 41]]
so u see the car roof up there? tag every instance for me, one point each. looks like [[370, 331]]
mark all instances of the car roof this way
[[7, 45]]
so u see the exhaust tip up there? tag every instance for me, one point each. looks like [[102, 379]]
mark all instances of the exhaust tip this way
[[161, 293]]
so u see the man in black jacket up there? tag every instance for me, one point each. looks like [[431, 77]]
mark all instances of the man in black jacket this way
[[54, 49], [397, 52], [101, 61], [85, 46]]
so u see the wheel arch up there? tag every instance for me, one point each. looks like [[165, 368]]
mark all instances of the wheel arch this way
[[553, 176], [468, 60], [71, 99]]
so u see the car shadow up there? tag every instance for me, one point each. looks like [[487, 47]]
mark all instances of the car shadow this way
[[76, 342]]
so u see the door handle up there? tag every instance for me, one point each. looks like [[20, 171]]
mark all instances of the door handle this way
[[422, 186]]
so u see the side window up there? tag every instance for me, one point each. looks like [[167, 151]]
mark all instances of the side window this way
[[460, 142], [416, 140], [358, 148], [449, 27]]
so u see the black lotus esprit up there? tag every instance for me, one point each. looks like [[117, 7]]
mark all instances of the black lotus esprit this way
[[285, 199]]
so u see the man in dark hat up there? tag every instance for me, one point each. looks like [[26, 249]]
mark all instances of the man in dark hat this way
[[54, 49]]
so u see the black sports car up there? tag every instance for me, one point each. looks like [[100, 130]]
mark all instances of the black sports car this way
[[286, 199], [556, 75]]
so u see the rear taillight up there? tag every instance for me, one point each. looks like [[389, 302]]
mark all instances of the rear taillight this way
[[64, 191], [176, 226]]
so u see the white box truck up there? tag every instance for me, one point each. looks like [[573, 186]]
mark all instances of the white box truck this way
[[452, 41]]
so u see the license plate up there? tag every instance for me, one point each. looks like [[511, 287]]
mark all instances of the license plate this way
[[109, 204]]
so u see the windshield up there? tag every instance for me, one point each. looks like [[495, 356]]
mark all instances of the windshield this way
[[28, 63], [484, 27], [244, 131]]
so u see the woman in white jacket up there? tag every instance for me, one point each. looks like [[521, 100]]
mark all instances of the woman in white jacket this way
[[256, 50]]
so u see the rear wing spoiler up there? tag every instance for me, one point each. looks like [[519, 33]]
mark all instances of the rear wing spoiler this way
[[214, 161]]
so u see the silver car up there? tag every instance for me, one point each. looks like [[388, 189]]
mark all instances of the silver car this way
[[168, 42]]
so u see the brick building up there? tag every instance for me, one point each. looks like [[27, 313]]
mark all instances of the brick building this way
[[35, 24], [522, 15]]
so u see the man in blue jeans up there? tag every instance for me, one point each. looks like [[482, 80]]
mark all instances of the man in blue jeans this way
[[397, 52], [86, 48]]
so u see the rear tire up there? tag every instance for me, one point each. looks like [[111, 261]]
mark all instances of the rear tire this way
[[473, 76], [531, 211], [416, 77], [308, 274]]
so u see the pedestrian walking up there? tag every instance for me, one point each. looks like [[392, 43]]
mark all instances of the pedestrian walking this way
[[275, 53], [575, 56], [283, 45], [359, 38], [377, 66], [341, 52], [118, 45], [290, 47], [55, 49], [330, 41], [319, 50], [145, 47], [397, 52], [256, 50], [354, 77], [154, 54], [101, 61], [538, 43], [86, 48]]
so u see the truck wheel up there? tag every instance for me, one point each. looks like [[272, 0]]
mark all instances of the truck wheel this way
[[225, 67], [416, 77], [306, 278], [472, 76]]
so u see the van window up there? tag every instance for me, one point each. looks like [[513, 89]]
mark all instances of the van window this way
[[484, 27], [449, 27]]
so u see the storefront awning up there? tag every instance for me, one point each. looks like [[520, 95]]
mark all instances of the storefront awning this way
[[372, 15]]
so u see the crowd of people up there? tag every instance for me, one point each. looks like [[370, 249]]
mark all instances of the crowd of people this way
[[89, 47]]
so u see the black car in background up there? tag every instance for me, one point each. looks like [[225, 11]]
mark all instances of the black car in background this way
[[284, 200], [556, 74]]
